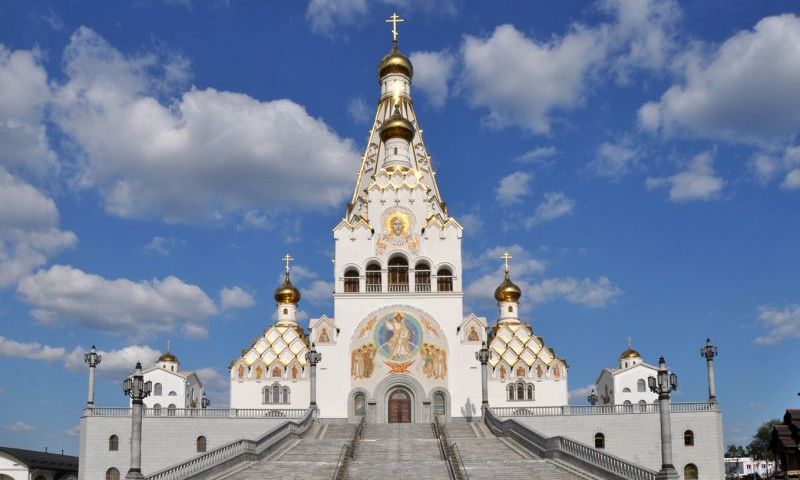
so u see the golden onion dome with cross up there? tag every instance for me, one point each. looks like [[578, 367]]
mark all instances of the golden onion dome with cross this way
[[168, 357], [629, 353], [286, 292], [507, 291], [395, 62], [397, 126]]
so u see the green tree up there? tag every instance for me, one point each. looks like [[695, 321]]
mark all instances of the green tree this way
[[735, 451], [759, 447]]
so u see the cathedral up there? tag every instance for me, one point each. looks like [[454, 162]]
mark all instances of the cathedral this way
[[398, 348]]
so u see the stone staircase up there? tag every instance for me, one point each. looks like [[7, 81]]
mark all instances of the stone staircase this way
[[403, 451]]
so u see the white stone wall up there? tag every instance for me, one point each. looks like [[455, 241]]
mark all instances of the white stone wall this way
[[166, 441], [628, 378], [170, 382], [249, 392], [10, 467], [547, 393], [637, 437]]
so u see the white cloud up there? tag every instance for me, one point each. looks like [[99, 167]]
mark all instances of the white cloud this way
[[471, 222], [73, 431], [216, 386], [554, 205], [514, 187], [121, 306], [319, 291], [231, 152], [526, 82], [30, 351], [24, 94], [587, 292], [537, 155], [578, 395], [792, 180], [743, 91], [162, 246], [19, 427], [781, 324], [768, 164], [330, 16], [115, 363], [358, 110], [614, 160], [29, 233], [432, 72], [697, 182], [235, 298]]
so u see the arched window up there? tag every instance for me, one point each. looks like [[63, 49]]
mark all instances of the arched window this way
[[422, 277], [688, 438], [157, 410], [351, 280], [626, 390], [201, 443], [157, 390], [113, 443], [510, 309], [286, 311], [373, 279], [627, 406], [112, 474], [360, 404], [642, 406], [530, 391], [276, 394], [641, 385], [398, 274], [172, 393], [439, 404], [511, 392], [520, 391], [444, 280], [599, 440], [171, 410], [690, 472], [285, 397], [265, 397]]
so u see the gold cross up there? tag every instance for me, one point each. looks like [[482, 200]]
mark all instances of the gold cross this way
[[506, 256], [287, 258], [394, 20], [630, 341]]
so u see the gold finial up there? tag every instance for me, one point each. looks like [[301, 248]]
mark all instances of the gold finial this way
[[506, 256], [394, 19], [287, 258]]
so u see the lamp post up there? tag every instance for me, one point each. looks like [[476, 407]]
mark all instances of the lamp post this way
[[313, 357], [92, 358], [708, 352], [205, 402], [592, 398], [137, 389], [482, 356], [665, 383]]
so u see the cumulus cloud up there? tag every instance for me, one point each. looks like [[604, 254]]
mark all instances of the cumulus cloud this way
[[554, 205], [161, 245], [697, 182], [215, 385], [120, 306], [115, 363], [29, 233], [328, 17], [231, 152], [786, 163], [30, 351], [359, 110], [578, 395], [19, 427], [319, 291], [24, 94], [744, 90], [614, 160], [235, 298], [526, 82], [781, 324], [432, 72], [514, 187], [541, 155], [587, 292]]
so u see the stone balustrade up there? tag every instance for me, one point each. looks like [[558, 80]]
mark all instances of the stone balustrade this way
[[601, 409], [287, 413]]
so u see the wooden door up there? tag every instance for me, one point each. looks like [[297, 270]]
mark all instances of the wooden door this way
[[399, 407]]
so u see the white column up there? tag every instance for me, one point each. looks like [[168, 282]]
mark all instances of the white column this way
[[135, 472]]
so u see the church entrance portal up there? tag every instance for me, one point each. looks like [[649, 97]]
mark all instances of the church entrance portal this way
[[399, 407]]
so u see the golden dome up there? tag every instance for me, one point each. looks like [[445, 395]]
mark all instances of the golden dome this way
[[168, 357], [397, 126], [508, 291], [286, 292], [629, 353], [395, 62]]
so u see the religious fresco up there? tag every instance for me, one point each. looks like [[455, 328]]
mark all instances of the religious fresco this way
[[398, 232], [398, 340]]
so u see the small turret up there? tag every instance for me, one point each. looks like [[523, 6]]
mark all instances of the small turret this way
[[286, 298], [507, 295]]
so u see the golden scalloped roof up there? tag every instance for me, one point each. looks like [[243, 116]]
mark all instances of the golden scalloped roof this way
[[629, 353], [168, 357], [284, 343], [514, 342]]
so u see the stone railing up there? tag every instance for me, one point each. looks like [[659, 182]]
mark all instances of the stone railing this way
[[600, 409], [287, 413], [229, 454], [567, 450]]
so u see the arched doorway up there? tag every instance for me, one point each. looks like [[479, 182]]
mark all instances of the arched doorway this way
[[399, 407]]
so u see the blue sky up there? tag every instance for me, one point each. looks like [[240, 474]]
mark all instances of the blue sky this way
[[638, 158]]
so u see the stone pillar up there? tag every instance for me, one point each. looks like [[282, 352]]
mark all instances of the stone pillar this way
[[482, 356], [663, 385], [93, 360], [135, 472], [708, 352], [313, 357]]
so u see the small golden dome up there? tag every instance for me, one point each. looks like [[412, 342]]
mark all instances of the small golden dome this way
[[286, 292], [508, 291], [395, 62], [397, 126], [629, 353], [168, 357]]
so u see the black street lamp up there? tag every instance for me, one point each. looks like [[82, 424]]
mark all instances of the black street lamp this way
[[205, 402], [137, 389], [92, 358], [592, 397], [665, 383], [708, 352]]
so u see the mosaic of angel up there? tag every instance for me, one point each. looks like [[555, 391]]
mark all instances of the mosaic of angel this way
[[362, 361], [434, 361]]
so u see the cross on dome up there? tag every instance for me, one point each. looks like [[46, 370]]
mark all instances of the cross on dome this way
[[506, 256], [394, 19], [287, 258]]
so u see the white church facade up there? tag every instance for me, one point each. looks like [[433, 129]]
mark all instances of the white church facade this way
[[398, 346]]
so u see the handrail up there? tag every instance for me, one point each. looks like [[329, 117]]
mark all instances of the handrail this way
[[348, 452], [166, 412], [234, 449], [452, 455], [575, 453], [617, 409]]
